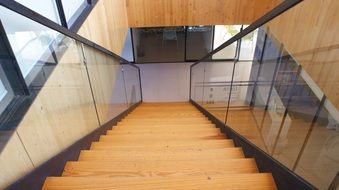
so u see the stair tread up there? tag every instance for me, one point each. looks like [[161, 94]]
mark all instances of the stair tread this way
[[148, 155], [220, 143], [160, 168], [222, 181]]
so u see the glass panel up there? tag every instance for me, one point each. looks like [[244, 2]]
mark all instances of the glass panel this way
[[73, 9], [31, 42], [217, 87], [197, 82], [271, 121], [46, 8], [319, 162], [107, 83], [302, 108], [266, 118], [222, 33], [162, 44], [131, 76], [198, 41]]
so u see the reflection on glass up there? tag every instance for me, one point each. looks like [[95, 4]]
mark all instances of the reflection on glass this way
[[319, 162], [161, 44], [73, 9], [131, 77], [302, 108], [198, 41], [46, 8], [222, 33]]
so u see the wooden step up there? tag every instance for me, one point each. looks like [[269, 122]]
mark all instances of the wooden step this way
[[165, 136], [109, 155], [160, 168], [157, 138], [166, 122], [162, 130], [223, 143], [165, 125], [149, 142], [253, 181]]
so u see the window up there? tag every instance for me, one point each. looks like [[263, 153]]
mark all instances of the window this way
[[46, 8], [222, 33], [73, 9]]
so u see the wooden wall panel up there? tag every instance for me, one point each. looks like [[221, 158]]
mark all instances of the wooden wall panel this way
[[107, 25], [309, 33], [152, 13]]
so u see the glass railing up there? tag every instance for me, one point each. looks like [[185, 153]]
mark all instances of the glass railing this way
[[277, 97], [55, 88]]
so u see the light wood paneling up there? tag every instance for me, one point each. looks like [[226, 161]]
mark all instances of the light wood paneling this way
[[309, 32], [107, 25], [151, 13]]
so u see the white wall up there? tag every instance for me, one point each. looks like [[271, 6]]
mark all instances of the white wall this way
[[165, 82]]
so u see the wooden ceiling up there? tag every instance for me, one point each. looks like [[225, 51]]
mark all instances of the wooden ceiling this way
[[153, 13]]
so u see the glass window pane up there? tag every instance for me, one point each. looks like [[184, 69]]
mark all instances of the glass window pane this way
[[46, 8], [73, 9], [198, 41], [222, 33], [162, 44], [32, 43]]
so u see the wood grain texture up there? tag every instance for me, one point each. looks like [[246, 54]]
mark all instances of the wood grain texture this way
[[223, 181], [150, 13], [309, 32], [139, 153], [107, 25]]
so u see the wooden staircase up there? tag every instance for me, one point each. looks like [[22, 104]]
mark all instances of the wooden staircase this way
[[162, 146]]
